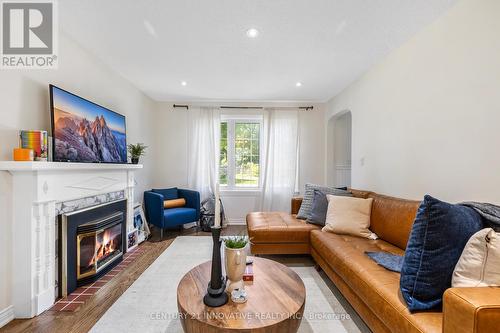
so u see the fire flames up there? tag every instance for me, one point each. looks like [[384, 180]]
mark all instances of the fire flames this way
[[105, 248]]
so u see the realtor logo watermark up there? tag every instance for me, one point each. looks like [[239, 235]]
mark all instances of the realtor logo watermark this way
[[29, 34]]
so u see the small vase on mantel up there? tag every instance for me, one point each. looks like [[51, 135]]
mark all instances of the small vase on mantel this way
[[235, 254]]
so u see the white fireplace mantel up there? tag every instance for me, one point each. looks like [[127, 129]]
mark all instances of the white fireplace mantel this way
[[14, 166], [38, 189]]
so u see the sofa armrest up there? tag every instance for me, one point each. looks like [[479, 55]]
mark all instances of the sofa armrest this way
[[153, 202], [471, 310], [192, 200], [296, 202]]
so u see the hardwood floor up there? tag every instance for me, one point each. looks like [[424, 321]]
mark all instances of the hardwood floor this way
[[89, 313]]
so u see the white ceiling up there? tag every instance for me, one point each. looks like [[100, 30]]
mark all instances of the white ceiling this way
[[325, 44]]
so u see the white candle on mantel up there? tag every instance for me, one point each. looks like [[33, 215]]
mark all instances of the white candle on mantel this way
[[217, 206]]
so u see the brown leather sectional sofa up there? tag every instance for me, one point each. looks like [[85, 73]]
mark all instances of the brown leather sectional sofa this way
[[372, 290]]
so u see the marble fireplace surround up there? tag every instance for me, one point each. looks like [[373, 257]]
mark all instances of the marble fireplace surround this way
[[40, 192]]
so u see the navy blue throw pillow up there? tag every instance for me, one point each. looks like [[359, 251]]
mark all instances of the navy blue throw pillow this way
[[168, 193], [319, 208], [437, 239]]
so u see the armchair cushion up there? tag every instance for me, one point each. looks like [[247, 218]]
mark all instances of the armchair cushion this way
[[168, 193], [178, 216], [192, 200]]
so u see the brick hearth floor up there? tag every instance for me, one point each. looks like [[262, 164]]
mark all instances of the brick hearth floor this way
[[74, 300]]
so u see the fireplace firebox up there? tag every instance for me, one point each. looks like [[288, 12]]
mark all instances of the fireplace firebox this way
[[98, 244], [92, 243]]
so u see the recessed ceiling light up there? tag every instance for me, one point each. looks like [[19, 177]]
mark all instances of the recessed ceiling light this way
[[252, 33], [298, 84], [184, 83]]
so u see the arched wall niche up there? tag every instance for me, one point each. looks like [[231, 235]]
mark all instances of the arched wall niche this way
[[339, 143]]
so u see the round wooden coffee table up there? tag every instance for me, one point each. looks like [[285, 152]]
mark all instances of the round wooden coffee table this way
[[276, 300]]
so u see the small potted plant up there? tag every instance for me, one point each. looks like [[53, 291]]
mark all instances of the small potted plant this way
[[236, 261], [136, 151]]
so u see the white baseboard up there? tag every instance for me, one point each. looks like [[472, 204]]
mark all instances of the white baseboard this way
[[44, 300], [240, 221], [6, 315]]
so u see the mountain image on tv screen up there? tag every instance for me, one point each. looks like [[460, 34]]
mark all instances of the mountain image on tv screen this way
[[86, 132]]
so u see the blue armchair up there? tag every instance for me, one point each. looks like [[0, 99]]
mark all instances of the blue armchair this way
[[171, 217]]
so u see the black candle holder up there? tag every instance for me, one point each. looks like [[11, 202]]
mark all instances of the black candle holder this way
[[216, 291]]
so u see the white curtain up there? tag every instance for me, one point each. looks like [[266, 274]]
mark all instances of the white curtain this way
[[280, 159], [203, 149]]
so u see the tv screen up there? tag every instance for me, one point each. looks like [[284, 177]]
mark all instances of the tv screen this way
[[84, 131]]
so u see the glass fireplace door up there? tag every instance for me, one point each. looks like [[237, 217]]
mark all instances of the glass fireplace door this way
[[97, 249], [86, 245]]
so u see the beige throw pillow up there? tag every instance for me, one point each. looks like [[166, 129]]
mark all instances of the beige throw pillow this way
[[349, 216], [479, 264]]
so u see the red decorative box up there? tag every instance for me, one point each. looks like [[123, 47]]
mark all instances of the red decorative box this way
[[248, 275]]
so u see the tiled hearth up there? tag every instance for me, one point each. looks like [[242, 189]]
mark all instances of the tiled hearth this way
[[77, 298]]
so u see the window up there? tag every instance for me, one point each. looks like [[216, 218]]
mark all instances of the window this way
[[240, 152]]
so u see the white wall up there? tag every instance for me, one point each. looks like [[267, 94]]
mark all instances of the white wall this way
[[24, 104], [426, 119], [312, 146], [5, 243], [24, 100], [171, 168]]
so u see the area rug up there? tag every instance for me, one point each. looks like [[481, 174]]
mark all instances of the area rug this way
[[150, 303]]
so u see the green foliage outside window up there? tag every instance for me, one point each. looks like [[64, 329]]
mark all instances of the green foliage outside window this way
[[246, 153], [223, 154]]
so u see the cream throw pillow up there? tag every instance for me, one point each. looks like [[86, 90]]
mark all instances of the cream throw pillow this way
[[479, 264], [349, 216]]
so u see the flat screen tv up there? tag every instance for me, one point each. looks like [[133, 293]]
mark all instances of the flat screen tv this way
[[84, 131]]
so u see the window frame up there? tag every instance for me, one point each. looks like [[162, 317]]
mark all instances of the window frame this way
[[231, 158]]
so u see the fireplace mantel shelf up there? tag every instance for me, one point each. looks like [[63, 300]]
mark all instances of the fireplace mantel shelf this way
[[15, 166]]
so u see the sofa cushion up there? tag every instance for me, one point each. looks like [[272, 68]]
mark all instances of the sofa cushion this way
[[177, 216], [437, 239], [376, 286], [318, 209], [277, 227], [168, 193], [349, 216], [305, 207], [392, 218], [479, 264], [359, 193]]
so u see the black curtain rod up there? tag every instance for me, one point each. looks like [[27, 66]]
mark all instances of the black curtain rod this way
[[307, 108]]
